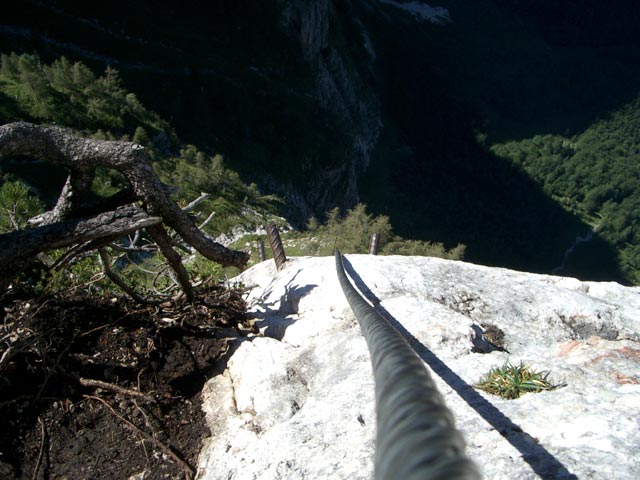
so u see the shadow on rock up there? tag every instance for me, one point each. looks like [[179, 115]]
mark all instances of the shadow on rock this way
[[539, 458], [276, 317]]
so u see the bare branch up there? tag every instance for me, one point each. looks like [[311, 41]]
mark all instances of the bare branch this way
[[144, 249], [23, 244], [60, 147], [160, 236], [203, 224], [203, 196], [111, 275], [90, 382]]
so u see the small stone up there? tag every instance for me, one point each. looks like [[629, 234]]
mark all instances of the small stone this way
[[493, 334]]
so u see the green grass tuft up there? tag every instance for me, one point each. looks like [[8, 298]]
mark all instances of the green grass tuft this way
[[512, 381]]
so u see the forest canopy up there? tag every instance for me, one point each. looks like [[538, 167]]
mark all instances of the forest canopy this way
[[69, 93], [595, 174]]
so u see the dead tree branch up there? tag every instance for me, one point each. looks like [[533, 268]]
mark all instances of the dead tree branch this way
[[74, 220], [203, 196], [106, 267], [23, 244], [81, 156], [90, 382], [160, 236]]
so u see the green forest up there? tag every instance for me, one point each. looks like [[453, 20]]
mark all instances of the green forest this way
[[251, 87], [513, 131], [595, 174], [69, 93]]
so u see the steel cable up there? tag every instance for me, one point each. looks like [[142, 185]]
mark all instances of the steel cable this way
[[416, 437]]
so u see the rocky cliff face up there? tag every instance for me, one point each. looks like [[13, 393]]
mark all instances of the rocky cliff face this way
[[350, 105], [297, 401]]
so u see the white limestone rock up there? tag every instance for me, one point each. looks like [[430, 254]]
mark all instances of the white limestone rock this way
[[298, 403]]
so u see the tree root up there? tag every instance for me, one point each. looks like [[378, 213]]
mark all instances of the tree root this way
[[43, 434], [89, 382]]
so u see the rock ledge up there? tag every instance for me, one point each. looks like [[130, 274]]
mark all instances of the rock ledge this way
[[298, 402]]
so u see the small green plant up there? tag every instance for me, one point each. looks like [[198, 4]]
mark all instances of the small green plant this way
[[204, 269], [17, 205], [512, 381], [351, 232]]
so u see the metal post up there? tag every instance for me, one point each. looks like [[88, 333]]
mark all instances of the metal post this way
[[375, 243], [276, 246], [262, 256]]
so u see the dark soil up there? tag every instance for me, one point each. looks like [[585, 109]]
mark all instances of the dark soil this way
[[102, 388]]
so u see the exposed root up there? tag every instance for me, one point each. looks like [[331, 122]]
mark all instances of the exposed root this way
[[43, 434], [89, 382]]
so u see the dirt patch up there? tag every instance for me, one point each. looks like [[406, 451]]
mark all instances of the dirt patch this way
[[102, 388]]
